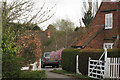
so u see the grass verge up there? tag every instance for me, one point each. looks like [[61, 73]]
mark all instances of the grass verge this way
[[33, 74]]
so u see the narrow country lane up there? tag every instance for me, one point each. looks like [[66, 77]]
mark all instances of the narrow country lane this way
[[55, 76]]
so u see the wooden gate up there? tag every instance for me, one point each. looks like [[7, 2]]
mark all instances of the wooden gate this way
[[96, 69], [107, 68]]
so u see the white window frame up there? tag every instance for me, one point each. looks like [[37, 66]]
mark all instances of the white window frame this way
[[108, 21], [108, 45]]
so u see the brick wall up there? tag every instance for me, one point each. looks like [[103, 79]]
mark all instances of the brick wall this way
[[99, 20]]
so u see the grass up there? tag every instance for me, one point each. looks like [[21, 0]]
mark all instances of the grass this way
[[33, 74], [70, 74]]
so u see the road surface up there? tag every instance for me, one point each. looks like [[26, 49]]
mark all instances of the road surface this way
[[55, 75]]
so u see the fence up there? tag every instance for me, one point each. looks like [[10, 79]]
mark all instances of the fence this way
[[114, 67], [107, 68]]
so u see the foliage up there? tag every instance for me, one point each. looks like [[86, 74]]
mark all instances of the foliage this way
[[11, 64], [48, 42], [69, 60], [77, 28], [64, 25], [8, 46], [30, 48], [51, 27], [19, 28], [36, 28], [28, 54], [33, 75], [87, 18]]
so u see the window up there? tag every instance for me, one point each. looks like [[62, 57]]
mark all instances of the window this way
[[108, 45], [108, 21]]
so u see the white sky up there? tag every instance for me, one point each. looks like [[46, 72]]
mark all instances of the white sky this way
[[66, 9]]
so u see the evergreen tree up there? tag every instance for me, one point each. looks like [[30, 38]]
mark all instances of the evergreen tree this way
[[87, 18]]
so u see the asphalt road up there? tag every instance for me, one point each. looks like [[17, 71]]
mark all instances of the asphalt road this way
[[55, 75]]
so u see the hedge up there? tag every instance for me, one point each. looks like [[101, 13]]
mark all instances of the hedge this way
[[69, 58], [94, 54]]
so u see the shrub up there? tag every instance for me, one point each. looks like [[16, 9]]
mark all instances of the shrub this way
[[33, 74], [11, 66], [68, 60]]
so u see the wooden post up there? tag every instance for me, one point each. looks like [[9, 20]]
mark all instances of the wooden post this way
[[89, 67], [106, 65], [107, 68], [77, 68]]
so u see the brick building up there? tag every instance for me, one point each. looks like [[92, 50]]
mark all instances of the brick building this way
[[104, 30]]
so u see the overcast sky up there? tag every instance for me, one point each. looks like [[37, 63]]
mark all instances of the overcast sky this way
[[65, 9]]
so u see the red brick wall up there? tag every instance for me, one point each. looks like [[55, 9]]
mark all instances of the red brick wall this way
[[99, 19], [119, 17], [119, 22]]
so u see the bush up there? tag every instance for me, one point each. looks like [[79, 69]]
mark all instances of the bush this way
[[11, 66], [68, 60], [33, 74]]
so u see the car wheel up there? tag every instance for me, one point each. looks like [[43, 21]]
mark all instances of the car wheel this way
[[53, 66], [42, 66], [57, 66]]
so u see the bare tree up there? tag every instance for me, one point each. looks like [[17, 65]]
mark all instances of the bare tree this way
[[66, 26], [22, 11]]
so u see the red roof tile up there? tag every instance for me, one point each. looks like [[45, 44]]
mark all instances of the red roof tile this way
[[85, 38]]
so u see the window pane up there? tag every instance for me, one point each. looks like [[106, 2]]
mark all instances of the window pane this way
[[105, 46], [109, 46], [108, 21]]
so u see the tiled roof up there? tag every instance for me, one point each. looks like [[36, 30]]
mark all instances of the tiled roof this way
[[90, 34]]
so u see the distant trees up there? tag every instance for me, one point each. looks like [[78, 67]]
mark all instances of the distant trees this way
[[66, 26], [87, 18], [36, 28]]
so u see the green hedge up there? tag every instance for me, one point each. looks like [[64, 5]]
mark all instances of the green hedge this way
[[69, 58], [94, 54], [33, 75], [68, 61]]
